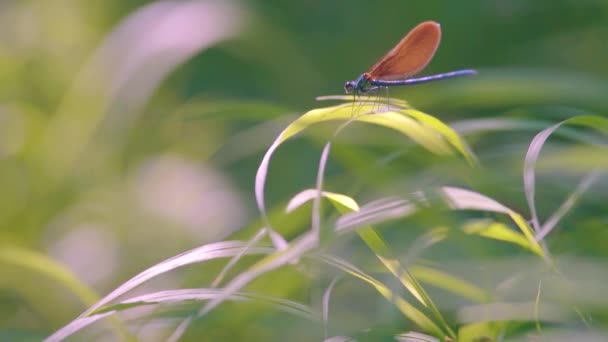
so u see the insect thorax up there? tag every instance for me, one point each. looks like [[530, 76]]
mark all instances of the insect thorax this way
[[362, 84]]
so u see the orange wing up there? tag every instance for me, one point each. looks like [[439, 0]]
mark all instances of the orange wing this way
[[411, 55]]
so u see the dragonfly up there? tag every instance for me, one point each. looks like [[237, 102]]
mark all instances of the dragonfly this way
[[407, 58]]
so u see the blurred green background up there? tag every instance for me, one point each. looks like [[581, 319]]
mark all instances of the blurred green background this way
[[131, 131]]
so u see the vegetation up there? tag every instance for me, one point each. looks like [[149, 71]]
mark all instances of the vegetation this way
[[163, 176]]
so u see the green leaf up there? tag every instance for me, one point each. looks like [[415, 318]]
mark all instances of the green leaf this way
[[463, 199], [447, 132], [42, 264], [591, 121], [402, 305], [499, 231], [400, 120], [479, 332], [422, 128], [376, 243], [449, 282]]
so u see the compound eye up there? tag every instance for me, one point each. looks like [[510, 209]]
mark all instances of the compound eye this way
[[348, 87]]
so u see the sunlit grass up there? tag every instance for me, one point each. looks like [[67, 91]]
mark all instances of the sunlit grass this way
[[313, 245], [164, 177]]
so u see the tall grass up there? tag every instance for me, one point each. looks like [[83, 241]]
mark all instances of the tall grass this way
[[424, 292]]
